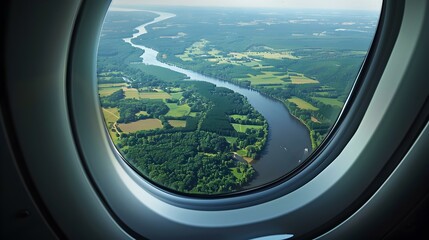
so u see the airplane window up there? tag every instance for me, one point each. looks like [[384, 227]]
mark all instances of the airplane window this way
[[215, 98]]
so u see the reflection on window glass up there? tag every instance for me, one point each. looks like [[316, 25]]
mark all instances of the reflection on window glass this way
[[217, 98]]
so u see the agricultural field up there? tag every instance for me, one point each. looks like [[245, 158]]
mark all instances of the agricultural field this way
[[329, 101], [131, 93], [299, 78], [155, 95], [178, 110], [269, 78], [146, 124], [111, 115], [106, 89], [302, 104]]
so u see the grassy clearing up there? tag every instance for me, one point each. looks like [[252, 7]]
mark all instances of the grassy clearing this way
[[241, 117], [146, 124], [242, 152], [193, 114], [313, 119], [238, 173], [177, 95], [207, 154], [177, 123], [302, 104], [329, 101], [242, 128], [231, 140], [155, 95], [142, 113], [178, 110]]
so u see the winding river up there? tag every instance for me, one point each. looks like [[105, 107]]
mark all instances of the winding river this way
[[288, 140]]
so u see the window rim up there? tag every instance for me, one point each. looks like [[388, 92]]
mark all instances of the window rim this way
[[240, 202]]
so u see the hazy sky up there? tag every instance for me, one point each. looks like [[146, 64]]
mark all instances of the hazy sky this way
[[314, 4]]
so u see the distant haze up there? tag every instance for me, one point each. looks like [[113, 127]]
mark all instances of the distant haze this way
[[297, 4]]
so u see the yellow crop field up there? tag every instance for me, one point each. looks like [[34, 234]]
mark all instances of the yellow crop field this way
[[302, 104], [146, 124], [111, 115], [155, 95], [131, 93], [298, 78]]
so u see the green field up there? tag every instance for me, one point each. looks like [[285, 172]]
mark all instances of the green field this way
[[329, 101], [106, 89], [238, 173], [242, 128], [146, 124], [111, 115], [266, 78], [176, 95], [131, 93], [177, 123], [231, 139], [302, 104], [242, 152], [178, 110]]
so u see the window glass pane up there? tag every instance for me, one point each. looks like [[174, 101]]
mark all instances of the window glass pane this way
[[210, 97]]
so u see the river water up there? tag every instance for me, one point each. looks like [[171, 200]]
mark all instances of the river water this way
[[288, 142]]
